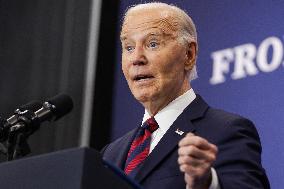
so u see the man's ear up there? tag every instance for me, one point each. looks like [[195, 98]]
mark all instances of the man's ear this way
[[191, 56]]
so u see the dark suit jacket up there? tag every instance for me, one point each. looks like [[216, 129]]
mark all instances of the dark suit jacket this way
[[238, 163]]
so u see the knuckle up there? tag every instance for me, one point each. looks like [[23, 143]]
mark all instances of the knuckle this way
[[190, 150], [179, 151], [182, 168], [211, 158], [201, 141], [214, 148], [189, 134], [188, 169], [179, 160], [205, 141], [182, 150], [187, 159], [181, 142]]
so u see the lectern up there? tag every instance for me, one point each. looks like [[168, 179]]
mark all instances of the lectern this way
[[80, 168]]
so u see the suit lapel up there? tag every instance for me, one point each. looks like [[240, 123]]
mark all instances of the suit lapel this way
[[170, 140], [117, 152]]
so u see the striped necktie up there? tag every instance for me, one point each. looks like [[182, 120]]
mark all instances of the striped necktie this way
[[140, 146]]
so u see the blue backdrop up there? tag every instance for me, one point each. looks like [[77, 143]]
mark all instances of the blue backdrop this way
[[240, 67]]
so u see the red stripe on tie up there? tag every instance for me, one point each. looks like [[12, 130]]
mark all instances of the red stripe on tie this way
[[136, 161], [138, 141]]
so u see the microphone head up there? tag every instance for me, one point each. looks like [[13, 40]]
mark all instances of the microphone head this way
[[62, 105]]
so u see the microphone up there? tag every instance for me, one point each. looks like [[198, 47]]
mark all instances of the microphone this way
[[55, 108], [51, 110], [5, 124]]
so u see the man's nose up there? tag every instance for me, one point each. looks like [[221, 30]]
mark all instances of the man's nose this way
[[139, 57]]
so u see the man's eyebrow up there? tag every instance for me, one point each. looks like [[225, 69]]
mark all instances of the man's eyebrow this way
[[154, 34], [124, 37]]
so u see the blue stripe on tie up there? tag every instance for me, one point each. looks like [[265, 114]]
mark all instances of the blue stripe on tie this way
[[145, 125], [140, 132]]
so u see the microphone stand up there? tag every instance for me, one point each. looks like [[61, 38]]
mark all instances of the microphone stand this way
[[17, 143], [17, 146], [3, 149]]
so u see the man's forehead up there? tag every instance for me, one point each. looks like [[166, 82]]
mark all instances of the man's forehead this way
[[160, 30], [151, 32], [144, 20]]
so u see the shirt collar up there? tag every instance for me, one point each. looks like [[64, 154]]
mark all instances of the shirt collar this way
[[170, 113]]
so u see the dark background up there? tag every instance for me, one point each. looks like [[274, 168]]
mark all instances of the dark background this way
[[43, 52]]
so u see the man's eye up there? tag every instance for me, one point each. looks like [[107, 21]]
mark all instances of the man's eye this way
[[153, 45], [129, 48]]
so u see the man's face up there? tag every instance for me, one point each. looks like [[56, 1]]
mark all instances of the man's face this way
[[153, 60]]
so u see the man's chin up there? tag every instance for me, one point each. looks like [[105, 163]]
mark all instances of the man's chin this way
[[143, 97]]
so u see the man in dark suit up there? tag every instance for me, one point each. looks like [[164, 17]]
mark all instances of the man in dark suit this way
[[195, 146]]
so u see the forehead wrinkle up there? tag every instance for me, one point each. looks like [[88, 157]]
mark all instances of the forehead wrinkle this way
[[168, 26]]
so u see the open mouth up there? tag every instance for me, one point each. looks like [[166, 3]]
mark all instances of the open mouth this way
[[142, 77]]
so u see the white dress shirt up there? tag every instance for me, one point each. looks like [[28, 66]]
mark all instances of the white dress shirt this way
[[166, 117]]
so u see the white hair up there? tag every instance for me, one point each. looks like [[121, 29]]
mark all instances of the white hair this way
[[187, 33]]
